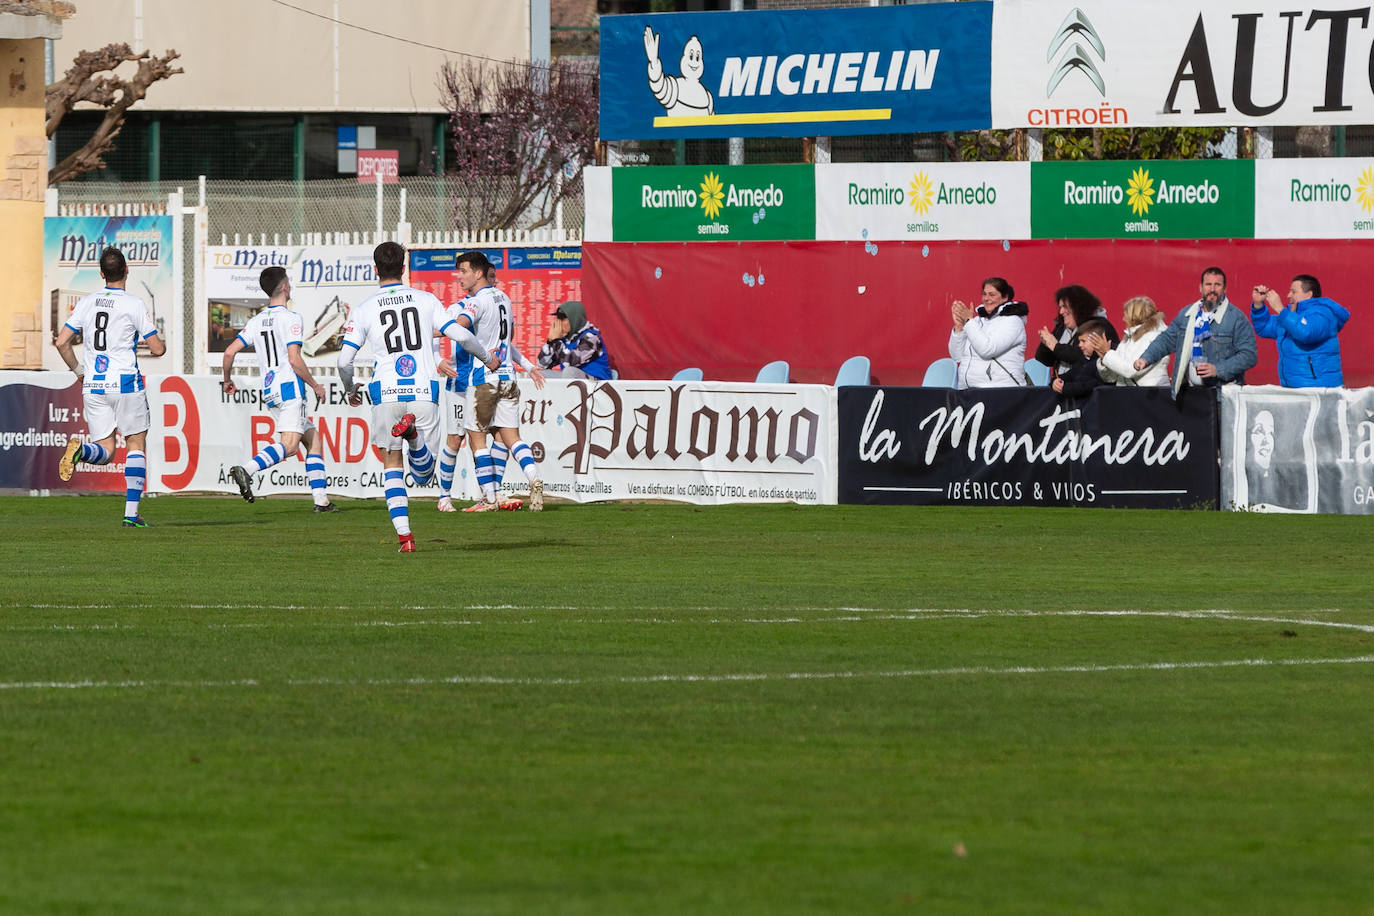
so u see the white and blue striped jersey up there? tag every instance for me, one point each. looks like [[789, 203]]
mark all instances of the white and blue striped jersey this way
[[111, 323], [461, 359], [270, 332], [489, 312], [399, 322]]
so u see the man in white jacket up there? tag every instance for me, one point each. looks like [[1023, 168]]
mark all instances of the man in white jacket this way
[[990, 344]]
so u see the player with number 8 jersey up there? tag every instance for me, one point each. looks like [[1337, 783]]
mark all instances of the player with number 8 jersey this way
[[112, 323]]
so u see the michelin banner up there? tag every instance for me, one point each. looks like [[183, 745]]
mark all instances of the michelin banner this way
[[1297, 450], [796, 73], [1314, 198], [1103, 63], [708, 443], [926, 200]]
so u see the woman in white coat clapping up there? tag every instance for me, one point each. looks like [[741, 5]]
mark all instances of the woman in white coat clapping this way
[[990, 344]]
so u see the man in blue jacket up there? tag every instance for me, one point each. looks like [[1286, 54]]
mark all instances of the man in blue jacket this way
[[1210, 340], [1306, 331]]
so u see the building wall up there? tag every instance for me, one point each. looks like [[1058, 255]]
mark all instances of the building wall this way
[[282, 59], [23, 179]]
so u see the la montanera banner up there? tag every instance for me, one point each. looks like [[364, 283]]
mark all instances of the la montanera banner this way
[[1119, 447], [1104, 63], [796, 73], [713, 203], [1192, 199]]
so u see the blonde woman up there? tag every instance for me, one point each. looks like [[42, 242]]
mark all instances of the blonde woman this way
[[1144, 322]]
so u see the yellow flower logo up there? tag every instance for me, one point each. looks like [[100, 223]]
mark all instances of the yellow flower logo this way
[[1140, 192], [712, 193], [1365, 190], [922, 193]]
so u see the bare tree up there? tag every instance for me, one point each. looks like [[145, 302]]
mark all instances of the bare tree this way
[[522, 134], [92, 78]]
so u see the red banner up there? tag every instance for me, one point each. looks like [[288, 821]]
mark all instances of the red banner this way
[[731, 308]]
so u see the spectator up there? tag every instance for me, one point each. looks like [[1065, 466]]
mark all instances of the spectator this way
[[990, 345], [574, 348], [1143, 322], [1211, 341], [1058, 349], [1082, 377], [1306, 331]]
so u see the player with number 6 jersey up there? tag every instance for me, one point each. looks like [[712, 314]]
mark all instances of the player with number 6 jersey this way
[[494, 399], [399, 323]]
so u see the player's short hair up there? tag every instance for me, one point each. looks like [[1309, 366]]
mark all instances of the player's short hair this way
[[390, 260], [271, 280], [1309, 283], [1213, 270], [112, 264], [476, 261]]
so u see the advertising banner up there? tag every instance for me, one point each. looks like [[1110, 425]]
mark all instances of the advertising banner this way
[[1297, 450], [72, 246], [537, 280], [796, 73], [39, 413], [1103, 63], [1118, 448], [926, 200], [1314, 198], [1192, 199], [698, 443], [326, 281], [713, 203]]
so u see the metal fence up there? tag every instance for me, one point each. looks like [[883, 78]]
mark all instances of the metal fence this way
[[297, 208]]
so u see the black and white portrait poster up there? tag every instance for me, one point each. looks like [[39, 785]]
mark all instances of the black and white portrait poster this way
[[1297, 449]]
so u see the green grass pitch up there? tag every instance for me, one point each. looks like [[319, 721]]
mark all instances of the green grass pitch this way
[[676, 709]]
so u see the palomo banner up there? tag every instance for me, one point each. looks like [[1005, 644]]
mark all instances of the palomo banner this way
[[1297, 450], [1104, 63], [706, 443]]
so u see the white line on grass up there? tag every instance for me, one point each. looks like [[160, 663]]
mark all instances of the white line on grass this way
[[746, 677], [832, 615]]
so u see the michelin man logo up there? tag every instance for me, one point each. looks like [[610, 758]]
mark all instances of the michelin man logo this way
[[679, 95]]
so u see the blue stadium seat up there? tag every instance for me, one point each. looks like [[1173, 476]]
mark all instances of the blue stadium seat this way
[[688, 375], [853, 371], [1038, 373], [775, 373], [940, 374]]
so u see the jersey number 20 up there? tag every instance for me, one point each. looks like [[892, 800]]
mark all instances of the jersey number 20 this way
[[396, 325]]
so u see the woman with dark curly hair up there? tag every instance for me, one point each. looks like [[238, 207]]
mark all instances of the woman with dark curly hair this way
[[1059, 347]]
